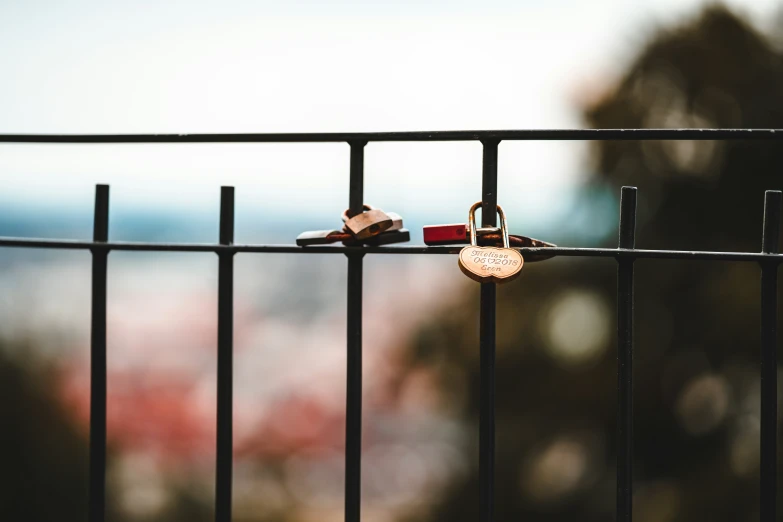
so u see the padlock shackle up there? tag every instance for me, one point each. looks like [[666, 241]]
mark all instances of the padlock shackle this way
[[472, 224], [347, 213]]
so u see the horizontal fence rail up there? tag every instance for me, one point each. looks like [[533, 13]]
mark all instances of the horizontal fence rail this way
[[475, 135], [64, 244], [625, 255]]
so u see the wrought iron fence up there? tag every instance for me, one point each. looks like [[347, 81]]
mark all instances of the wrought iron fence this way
[[626, 253]]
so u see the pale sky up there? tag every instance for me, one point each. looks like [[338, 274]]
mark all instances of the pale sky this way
[[196, 66]]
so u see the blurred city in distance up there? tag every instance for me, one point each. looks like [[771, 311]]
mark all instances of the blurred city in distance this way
[[696, 381]]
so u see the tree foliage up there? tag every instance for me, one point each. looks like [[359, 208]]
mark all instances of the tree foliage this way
[[697, 324]]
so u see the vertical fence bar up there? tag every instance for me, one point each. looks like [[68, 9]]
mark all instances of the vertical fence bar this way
[[625, 357], [97, 494], [487, 343], [769, 363], [225, 360], [353, 400]]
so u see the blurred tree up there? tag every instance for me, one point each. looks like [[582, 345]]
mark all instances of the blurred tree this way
[[697, 324], [44, 473]]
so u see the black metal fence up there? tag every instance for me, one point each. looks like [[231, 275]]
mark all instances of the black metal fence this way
[[626, 253]]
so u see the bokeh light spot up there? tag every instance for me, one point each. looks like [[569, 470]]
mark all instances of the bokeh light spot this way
[[577, 328], [556, 470], [703, 404]]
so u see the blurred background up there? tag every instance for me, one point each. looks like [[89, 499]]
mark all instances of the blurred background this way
[[197, 66]]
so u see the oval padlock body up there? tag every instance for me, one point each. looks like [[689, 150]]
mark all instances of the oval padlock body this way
[[368, 224], [490, 264]]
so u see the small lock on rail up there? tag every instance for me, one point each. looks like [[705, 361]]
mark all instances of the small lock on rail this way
[[366, 224], [489, 264], [372, 227]]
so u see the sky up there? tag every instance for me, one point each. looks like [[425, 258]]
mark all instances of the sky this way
[[305, 66]]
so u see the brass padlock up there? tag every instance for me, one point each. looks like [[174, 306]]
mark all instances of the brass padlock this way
[[489, 264], [387, 238], [369, 223]]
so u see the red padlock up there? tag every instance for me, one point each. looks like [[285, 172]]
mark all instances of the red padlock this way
[[454, 234], [445, 234]]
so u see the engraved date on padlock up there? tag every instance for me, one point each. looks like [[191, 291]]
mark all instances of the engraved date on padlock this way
[[489, 264], [369, 223]]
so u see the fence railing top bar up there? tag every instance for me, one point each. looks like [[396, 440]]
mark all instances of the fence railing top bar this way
[[19, 242], [465, 135]]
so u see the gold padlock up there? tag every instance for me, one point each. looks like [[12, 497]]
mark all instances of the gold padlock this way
[[369, 223], [489, 264]]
